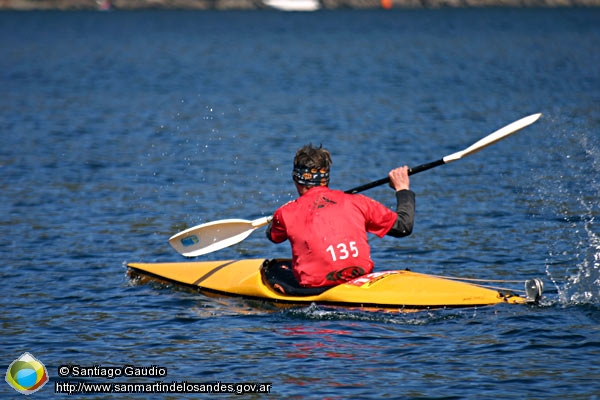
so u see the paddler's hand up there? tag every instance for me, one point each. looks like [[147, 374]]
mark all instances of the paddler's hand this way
[[399, 178]]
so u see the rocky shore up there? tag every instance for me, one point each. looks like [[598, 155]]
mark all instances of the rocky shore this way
[[259, 4]]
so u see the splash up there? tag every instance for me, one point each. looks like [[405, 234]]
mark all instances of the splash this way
[[578, 245], [583, 286]]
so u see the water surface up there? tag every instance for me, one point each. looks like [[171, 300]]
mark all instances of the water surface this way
[[122, 128]]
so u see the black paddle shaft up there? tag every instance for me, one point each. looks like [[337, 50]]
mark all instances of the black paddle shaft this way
[[411, 171]]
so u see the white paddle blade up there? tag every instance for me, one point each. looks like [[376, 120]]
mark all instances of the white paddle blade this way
[[493, 137], [213, 236]]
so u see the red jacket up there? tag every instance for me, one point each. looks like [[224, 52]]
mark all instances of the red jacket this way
[[328, 233]]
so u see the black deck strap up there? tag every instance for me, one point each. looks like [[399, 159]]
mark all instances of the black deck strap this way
[[279, 272], [211, 272]]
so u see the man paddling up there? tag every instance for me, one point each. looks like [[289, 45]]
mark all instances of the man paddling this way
[[327, 228]]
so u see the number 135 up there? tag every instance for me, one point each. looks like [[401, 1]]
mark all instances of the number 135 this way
[[343, 251]]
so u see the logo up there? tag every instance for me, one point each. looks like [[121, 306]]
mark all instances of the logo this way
[[26, 374], [369, 279], [345, 274], [189, 240]]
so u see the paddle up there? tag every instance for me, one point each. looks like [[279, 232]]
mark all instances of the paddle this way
[[474, 148], [213, 236], [216, 235]]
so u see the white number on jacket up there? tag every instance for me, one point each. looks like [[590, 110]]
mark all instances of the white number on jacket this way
[[343, 251]]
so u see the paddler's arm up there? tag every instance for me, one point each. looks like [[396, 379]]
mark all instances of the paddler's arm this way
[[405, 203], [276, 230], [268, 232], [405, 209]]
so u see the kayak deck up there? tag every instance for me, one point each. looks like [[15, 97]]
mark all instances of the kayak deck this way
[[401, 289]]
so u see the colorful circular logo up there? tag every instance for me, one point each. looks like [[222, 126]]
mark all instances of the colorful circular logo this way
[[26, 374]]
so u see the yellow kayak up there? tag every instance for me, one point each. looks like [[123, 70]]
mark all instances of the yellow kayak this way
[[386, 290]]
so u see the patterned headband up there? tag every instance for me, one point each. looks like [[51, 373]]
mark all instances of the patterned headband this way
[[311, 176]]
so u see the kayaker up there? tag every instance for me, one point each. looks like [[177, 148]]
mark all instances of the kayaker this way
[[327, 229]]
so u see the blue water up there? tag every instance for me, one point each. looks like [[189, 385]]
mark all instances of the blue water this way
[[120, 129]]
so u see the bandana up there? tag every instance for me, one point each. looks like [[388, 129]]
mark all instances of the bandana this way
[[311, 176]]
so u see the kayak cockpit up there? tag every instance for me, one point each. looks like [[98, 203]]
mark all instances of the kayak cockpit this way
[[278, 276]]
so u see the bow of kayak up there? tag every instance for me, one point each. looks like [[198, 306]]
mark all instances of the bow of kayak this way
[[398, 289]]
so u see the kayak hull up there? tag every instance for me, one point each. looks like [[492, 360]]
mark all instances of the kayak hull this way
[[398, 290]]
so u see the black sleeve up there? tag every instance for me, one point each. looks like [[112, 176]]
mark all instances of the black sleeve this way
[[405, 209], [268, 232]]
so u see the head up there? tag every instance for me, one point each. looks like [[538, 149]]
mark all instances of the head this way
[[311, 167]]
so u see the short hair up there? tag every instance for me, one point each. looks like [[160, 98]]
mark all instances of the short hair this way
[[309, 156]]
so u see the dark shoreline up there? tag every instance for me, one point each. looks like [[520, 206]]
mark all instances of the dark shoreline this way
[[258, 4]]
